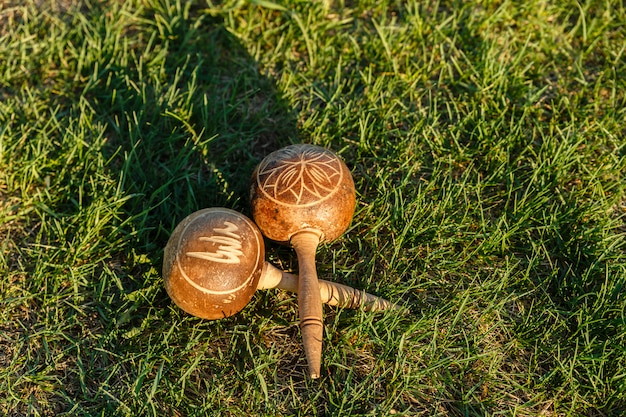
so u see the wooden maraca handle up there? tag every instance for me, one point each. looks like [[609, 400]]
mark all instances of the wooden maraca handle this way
[[331, 293], [309, 300]]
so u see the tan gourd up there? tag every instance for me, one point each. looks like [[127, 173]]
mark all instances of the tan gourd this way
[[214, 262], [304, 195]]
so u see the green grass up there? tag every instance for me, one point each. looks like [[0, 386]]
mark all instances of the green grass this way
[[486, 140]]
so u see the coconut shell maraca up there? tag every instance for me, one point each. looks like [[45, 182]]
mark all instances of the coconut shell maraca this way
[[214, 261], [303, 195]]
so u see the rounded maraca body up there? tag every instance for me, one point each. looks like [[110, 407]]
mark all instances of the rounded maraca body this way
[[302, 187], [213, 262]]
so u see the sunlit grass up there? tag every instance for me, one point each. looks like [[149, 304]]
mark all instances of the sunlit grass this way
[[486, 140]]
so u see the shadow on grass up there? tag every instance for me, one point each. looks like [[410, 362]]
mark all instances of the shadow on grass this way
[[188, 115]]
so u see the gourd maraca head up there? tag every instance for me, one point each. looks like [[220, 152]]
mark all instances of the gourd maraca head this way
[[302, 187], [212, 263]]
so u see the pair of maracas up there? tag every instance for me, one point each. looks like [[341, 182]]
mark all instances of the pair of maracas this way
[[301, 195]]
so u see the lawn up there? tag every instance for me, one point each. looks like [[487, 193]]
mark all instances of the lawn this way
[[487, 144]]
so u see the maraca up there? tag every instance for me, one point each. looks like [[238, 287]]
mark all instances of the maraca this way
[[214, 262], [304, 195]]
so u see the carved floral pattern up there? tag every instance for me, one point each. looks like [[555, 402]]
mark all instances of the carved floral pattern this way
[[300, 175]]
